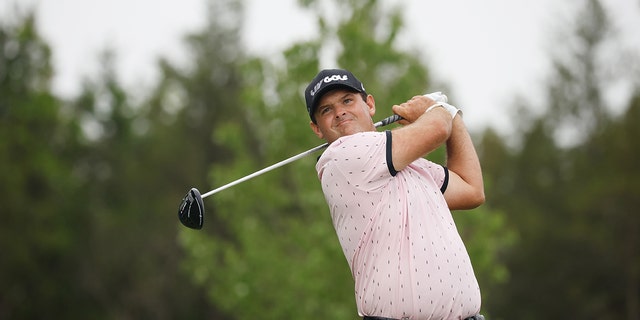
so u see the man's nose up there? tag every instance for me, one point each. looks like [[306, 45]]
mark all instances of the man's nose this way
[[340, 110]]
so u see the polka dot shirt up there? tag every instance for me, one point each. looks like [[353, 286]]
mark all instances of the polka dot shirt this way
[[396, 232]]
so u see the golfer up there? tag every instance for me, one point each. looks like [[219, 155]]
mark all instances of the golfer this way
[[391, 207]]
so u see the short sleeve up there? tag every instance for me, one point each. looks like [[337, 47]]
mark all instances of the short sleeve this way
[[361, 159]]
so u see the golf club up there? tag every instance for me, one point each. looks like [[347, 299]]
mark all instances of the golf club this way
[[191, 209]]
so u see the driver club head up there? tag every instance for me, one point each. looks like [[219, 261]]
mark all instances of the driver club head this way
[[191, 210]]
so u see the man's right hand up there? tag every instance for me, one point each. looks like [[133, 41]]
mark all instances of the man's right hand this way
[[411, 110]]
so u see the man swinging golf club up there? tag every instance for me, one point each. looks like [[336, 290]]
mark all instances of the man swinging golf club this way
[[391, 207]]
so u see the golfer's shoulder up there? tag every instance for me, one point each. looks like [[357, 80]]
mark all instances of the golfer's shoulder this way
[[361, 140], [354, 147]]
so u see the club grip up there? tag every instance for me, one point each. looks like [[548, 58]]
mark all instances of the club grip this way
[[388, 120]]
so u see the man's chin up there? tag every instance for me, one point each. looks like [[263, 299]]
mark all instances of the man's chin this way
[[349, 130]]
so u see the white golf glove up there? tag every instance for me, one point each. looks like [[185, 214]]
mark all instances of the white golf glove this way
[[441, 101]]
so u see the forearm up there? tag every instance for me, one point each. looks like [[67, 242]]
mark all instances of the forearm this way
[[422, 132], [463, 161], [420, 137]]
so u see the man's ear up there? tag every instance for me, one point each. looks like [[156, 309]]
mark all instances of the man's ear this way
[[372, 105], [316, 130]]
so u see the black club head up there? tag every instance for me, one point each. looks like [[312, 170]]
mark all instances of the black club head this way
[[191, 210]]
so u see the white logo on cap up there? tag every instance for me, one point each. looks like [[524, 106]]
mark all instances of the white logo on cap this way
[[328, 79]]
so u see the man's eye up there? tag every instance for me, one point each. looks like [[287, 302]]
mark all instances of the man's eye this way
[[324, 110], [347, 101]]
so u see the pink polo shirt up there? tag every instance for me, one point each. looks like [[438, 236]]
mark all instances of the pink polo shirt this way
[[396, 231]]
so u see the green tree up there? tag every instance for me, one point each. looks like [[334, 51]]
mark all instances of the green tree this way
[[569, 191], [86, 189], [130, 268], [39, 230], [199, 119]]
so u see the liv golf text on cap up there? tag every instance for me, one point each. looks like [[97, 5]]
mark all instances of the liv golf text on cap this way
[[325, 80]]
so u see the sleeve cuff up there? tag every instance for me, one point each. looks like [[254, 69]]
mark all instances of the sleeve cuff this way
[[445, 183]]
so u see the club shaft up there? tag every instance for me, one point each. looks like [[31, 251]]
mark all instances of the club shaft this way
[[383, 122], [267, 169]]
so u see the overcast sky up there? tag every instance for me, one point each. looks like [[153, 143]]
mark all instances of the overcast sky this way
[[488, 51]]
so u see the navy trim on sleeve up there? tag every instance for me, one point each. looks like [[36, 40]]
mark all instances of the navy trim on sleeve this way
[[392, 169], [445, 183]]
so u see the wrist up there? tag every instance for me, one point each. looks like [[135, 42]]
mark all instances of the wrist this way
[[453, 111], [438, 104]]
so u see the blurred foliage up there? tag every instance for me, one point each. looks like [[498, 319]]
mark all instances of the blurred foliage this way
[[37, 147], [90, 185], [571, 189]]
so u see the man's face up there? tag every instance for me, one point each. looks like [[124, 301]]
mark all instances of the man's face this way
[[341, 112]]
